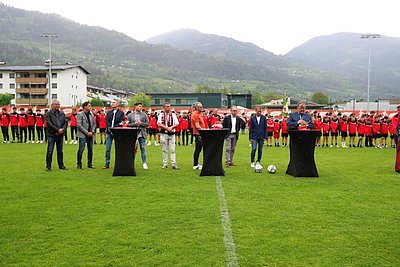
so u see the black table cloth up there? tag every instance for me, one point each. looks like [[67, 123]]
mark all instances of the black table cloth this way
[[213, 144], [302, 146], [124, 140]]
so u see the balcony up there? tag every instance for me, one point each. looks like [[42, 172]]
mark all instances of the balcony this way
[[32, 101], [31, 80], [33, 91]]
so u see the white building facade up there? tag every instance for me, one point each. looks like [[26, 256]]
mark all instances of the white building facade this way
[[32, 86]]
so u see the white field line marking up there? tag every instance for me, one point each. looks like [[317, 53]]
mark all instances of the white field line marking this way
[[226, 225]]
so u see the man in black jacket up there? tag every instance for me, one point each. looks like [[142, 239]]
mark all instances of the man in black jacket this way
[[114, 117], [56, 126], [233, 123]]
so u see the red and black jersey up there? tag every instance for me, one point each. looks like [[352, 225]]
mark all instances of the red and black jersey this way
[[102, 121], [270, 125], [39, 120], [277, 126], [361, 128], [213, 120], [183, 124], [317, 125], [23, 120], [376, 127], [14, 119], [334, 126], [368, 129], [284, 127], [72, 120], [31, 119], [343, 125], [352, 127], [392, 129], [5, 120], [384, 128], [326, 127]]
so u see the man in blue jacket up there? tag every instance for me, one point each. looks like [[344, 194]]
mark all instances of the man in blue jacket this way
[[113, 118], [300, 118], [258, 133]]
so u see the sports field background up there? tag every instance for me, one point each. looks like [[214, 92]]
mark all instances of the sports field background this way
[[350, 216]]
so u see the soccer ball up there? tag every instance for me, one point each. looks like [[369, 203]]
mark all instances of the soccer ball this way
[[271, 169], [258, 168]]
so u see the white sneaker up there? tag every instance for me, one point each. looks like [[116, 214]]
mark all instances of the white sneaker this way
[[145, 166], [28, 142], [41, 142], [66, 142], [198, 167], [149, 143], [37, 142], [165, 166], [252, 165], [331, 145], [75, 142], [72, 141]]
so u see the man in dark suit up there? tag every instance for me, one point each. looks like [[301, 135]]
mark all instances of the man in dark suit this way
[[56, 127], [300, 118], [113, 118], [233, 123], [258, 133]]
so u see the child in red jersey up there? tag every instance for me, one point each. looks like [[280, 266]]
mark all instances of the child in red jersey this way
[[14, 122], [102, 126], [277, 129], [270, 130], [5, 122], [152, 128], [368, 132], [334, 124], [384, 132], [352, 130], [184, 126], [326, 128], [284, 132], [73, 127], [23, 123], [392, 132], [376, 131], [361, 130], [39, 126], [31, 121], [318, 127], [343, 125]]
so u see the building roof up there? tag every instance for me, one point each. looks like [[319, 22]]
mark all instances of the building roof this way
[[41, 68]]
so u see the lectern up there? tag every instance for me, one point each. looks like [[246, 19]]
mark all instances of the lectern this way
[[213, 144], [302, 146], [124, 140]]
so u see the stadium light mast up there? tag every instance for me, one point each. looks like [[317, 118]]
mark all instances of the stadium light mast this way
[[50, 35], [369, 36]]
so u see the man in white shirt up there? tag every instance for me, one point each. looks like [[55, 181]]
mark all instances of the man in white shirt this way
[[232, 122], [167, 121]]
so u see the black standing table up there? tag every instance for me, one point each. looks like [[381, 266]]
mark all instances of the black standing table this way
[[213, 144], [302, 146], [124, 139]]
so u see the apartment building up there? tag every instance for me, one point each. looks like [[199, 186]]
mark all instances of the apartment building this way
[[30, 84]]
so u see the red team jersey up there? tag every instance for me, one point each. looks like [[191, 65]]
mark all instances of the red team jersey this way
[[270, 125], [39, 120], [183, 124], [343, 126], [31, 119], [352, 127], [317, 125], [5, 120], [334, 126], [376, 128], [326, 127], [23, 120], [384, 128], [102, 121], [72, 119], [14, 118], [284, 127]]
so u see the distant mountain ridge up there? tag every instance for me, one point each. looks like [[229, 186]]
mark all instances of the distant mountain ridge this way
[[347, 53], [118, 61]]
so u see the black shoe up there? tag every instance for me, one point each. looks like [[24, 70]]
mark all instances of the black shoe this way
[[79, 167], [107, 166], [48, 169], [91, 167], [63, 168]]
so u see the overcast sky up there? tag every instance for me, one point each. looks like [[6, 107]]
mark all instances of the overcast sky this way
[[275, 25]]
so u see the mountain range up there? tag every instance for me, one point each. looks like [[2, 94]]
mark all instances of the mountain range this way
[[173, 62]]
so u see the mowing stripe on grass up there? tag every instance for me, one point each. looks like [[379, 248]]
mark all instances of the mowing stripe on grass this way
[[226, 225]]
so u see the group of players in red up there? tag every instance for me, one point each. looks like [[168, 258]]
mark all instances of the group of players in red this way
[[369, 130]]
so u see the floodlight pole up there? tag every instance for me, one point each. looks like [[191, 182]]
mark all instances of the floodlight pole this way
[[369, 37], [50, 35]]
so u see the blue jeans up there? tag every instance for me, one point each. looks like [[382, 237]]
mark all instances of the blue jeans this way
[[57, 140], [82, 143], [142, 144], [109, 140], [254, 144]]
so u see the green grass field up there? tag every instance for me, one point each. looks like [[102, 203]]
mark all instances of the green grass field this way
[[350, 216]]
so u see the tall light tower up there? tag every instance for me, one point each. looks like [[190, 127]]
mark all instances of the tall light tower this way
[[50, 35], [369, 36]]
